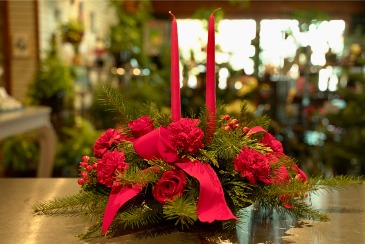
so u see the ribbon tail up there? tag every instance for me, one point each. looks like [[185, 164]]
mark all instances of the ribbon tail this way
[[211, 203], [118, 196], [257, 129]]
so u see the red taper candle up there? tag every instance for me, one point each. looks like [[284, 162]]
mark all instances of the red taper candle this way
[[210, 75], [175, 72]]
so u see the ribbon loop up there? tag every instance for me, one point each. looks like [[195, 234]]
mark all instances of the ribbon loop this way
[[156, 145]]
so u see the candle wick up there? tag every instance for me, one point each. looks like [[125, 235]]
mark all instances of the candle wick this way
[[173, 16], [216, 10]]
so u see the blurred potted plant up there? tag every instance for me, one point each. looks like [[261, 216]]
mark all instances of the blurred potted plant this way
[[72, 32], [51, 82], [126, 36]]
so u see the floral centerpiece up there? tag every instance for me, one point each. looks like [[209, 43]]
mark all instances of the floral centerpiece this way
[[161, 173]]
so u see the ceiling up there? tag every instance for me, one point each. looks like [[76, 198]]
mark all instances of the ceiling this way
[[259, 9]]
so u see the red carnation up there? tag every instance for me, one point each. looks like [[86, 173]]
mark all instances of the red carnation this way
[[171, 184], [253, 166], [141, 126], [109, 138], [108, 166], [186, 135], [270, 141], [280, 175]]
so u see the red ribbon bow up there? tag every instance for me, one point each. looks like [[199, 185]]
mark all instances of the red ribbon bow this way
[[156, 145]]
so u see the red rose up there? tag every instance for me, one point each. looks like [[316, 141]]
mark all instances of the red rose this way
[[171, 184], [141, 126], [109, 138], [253, 166], [108, 166], [186, 135], [270, 141]]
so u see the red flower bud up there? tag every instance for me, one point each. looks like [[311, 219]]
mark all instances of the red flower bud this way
[[84, 175], [226, 117], [80, 181], [227, 128], [234, 121], [245, 130], [85, 159]]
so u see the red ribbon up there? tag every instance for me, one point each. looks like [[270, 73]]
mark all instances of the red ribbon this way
[[156, 145], [257, 129], [211, 203], [118, 196]]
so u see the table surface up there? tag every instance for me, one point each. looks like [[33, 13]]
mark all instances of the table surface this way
[[346, 209]]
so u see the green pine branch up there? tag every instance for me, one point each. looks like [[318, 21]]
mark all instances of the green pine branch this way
[[152, 110], [163, 166], [89, 204], [335, 182], [182, 210], [238, 192], [244, 117], [300, 210], [208, 157], [134, 175], [227, 144], [91, 232], [135, 216], [112, 99]]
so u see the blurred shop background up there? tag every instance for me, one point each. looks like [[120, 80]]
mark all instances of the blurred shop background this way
[[300, 62]]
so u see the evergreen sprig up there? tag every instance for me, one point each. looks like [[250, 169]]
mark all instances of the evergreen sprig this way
[[160, 119], [137, 216], [208, 157], [238, 191], [89, 204], [182, 210], [112, 99], [134, 175], [333, 183]]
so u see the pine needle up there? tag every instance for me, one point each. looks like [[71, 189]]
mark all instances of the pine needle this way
[[74, 205], [182, 210]]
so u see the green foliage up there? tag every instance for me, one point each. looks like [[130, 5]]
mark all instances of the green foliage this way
[[152, 110], [182, 210], [239, 192], [112, 100], [85, 203], [137, 216], [20, 153], [51, 77], [72, 31], [113, 106], [77, 140], [127, 34], [334, 182], [134, 175]]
